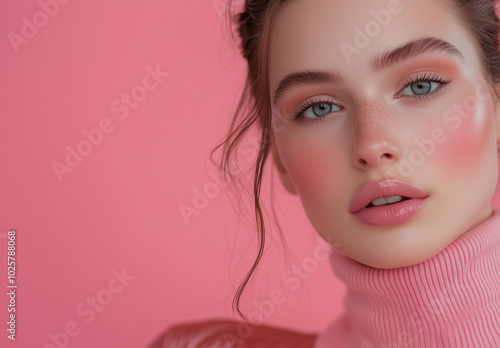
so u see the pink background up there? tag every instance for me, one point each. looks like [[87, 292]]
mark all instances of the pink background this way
[[118, 209]]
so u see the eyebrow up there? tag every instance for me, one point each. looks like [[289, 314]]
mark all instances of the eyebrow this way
[[380, 62]]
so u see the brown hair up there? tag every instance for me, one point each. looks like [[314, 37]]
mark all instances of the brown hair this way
[[254, 26]]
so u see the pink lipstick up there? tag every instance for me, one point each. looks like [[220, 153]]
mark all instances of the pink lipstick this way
[[387, 202]]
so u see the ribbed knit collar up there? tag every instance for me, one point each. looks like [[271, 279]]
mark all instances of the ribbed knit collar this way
[[450, 300]]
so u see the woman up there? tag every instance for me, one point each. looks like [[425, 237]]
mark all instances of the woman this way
[[384, 118]]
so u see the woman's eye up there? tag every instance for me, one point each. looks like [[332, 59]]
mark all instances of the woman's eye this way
[[420, 88], [425, 86], [320, 109]]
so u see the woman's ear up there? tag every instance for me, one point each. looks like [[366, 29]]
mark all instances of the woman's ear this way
[[284, 177]]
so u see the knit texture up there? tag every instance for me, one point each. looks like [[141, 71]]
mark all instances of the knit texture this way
[[450, 300]]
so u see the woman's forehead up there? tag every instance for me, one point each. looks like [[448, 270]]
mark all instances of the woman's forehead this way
[[325, 31], [351, 41]]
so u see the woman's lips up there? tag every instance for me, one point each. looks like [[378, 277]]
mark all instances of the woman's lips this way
[[390, 214], [384, 188], [387, 214]]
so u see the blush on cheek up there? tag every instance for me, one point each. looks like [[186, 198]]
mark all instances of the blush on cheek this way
[[305, 168], [312, 168], [462, 135]]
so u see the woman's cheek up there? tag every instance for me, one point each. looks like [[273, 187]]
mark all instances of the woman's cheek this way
[[465, 132], [312, 164], [469, 130]]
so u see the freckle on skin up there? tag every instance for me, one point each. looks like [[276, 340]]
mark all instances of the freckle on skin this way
[[371, 115]]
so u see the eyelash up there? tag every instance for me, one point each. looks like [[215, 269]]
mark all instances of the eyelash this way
[[301, 108]]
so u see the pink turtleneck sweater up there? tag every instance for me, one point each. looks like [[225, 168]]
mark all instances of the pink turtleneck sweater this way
[[450, 300]]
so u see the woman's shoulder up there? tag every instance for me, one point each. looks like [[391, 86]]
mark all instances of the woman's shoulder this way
[[229, 334]]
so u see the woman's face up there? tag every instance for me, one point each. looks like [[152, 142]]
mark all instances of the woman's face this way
[[393, 90]]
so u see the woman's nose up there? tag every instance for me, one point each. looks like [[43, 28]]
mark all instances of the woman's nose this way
[[376, 137]]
